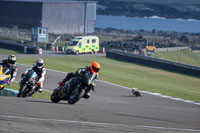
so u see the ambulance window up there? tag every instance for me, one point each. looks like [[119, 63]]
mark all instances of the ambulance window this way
[[88, 41], [73, 43], [93, 40], [79, 44]]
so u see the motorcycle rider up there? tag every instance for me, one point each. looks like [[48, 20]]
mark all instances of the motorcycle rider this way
[[40, 71], [10, 63], [94, 67]]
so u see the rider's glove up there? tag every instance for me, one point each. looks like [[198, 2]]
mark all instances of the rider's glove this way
[[61, 83], [37, 80], [23, 75]]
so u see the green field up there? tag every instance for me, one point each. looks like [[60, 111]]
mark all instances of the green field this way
[[183, 56], [6, 51], [130, 75]]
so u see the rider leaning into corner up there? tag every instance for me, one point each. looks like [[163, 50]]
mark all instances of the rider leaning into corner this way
[[40, 71], [10, 64], [94, 67]]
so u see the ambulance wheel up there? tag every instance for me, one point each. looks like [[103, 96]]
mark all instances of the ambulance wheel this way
[[77, 53]]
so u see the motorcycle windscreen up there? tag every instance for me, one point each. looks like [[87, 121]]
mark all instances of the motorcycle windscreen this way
[[33, 75]]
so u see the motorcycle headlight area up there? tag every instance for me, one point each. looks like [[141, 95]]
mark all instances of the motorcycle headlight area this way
[[4, 81]]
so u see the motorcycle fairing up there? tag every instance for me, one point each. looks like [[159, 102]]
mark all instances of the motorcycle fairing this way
[[73, 81], [88, 77], [3, 78]]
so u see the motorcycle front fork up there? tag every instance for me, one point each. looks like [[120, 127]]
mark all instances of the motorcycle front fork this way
[[61, 92]]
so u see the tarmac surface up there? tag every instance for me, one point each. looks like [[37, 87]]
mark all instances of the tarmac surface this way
[[111, 109]]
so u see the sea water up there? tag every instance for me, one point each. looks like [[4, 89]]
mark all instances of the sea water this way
[[148, 23]]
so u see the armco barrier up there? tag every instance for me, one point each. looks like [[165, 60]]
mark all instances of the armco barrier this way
[[31, 49], [155, 62], [11, 46], [8, 92]]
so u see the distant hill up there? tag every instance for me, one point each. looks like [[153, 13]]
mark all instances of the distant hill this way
[[184, 9]]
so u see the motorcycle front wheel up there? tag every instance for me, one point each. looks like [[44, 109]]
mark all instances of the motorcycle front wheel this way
[[22, 91], [54, 97], [76, 95]]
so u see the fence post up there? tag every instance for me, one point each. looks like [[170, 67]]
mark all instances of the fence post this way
[[25, 49], [26, 34], [17, 33]]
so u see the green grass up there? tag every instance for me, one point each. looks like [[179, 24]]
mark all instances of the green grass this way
[[43, 95], [183, 56], [130, 75], [14, 86], [6, 51]]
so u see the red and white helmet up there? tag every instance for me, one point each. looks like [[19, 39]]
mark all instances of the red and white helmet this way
[[40, 63]]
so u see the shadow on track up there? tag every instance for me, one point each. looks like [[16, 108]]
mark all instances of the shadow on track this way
[[127, 96], [40, 101]]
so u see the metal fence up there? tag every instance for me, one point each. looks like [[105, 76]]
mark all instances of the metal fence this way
[[170, 49], [19, 47], [15, 33]]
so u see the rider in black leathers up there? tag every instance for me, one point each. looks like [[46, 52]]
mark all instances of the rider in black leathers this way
[[95, 67], [10, 63]]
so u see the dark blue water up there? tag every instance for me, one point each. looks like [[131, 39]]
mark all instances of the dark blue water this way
[[135, 23]]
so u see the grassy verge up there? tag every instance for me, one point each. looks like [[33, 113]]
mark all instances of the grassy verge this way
[[6, 51], [183, 56], [43, 95], [130, 75]]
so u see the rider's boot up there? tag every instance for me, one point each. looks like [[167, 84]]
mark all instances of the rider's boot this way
[[87, 95], [40, 90]]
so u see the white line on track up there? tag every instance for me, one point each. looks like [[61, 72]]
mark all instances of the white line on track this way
[[147, 92], [97, 123]]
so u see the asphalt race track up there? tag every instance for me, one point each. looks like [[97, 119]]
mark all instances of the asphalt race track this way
[[111, 109]]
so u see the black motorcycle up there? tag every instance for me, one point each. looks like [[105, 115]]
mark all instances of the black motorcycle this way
[[28, 84], [74, 89]]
